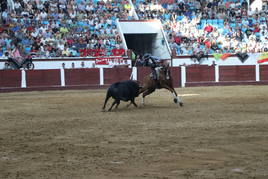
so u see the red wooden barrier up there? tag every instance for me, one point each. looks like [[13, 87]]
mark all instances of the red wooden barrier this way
[[86, 76], [237, 73], [263, 72], [142, 72], [45, 78], [112, 75], [200, 73], [176, 76], [10, 78]]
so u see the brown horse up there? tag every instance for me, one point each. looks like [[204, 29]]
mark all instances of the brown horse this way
[[164, 80]]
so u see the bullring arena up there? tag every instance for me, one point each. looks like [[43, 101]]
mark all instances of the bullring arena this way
[[58, 58], [221, 132]]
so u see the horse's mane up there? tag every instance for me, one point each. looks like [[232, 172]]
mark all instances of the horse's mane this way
[[165, 64]]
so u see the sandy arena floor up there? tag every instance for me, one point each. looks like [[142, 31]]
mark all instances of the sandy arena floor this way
[[221, 132]]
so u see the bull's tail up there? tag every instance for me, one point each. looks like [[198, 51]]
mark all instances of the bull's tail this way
[[108, 95]]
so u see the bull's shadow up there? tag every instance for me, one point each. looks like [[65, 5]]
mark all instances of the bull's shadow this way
[[126, 108]]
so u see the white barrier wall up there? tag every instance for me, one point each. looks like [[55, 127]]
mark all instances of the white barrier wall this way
[[233, 60], [88, 63]]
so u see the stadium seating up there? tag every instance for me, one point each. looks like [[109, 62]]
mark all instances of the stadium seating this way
[[88, 28]]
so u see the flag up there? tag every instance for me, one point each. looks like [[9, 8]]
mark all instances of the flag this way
[[225, 55], [217, 56], [263, 58], [242, 57]]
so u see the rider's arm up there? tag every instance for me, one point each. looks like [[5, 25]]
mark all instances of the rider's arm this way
[[153, 60]]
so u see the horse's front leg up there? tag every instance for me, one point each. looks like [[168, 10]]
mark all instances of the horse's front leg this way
[[176, 98]]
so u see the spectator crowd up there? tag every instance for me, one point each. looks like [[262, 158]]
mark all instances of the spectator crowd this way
[[209, 26], [60, 28]]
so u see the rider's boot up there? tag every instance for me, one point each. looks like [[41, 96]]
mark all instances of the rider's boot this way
[[154, 75], [167, 75]]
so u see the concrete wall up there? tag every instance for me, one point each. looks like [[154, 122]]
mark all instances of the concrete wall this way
[[160, 46], [140, 27]]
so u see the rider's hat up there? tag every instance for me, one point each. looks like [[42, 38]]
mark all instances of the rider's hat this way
[[146, 56]]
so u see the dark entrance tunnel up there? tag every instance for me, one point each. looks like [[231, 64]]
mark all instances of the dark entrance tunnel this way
[[140, 43]]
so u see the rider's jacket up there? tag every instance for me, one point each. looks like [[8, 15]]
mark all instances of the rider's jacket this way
[[151, 61]]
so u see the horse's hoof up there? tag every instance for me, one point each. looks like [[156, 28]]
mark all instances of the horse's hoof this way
[[181, 104]]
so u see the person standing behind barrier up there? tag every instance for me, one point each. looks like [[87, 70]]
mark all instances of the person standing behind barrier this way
[[139, 62], [16, 57]]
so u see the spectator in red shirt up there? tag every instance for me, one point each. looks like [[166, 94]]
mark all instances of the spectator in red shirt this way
[[208, 29], [256, 29], [177, 40]]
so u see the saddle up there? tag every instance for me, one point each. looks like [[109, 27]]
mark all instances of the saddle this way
[[158, 70]]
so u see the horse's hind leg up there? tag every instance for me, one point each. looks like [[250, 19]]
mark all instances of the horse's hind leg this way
[[132, 101], [129, 104], [146, 93]]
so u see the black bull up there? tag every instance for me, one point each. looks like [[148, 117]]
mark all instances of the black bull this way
[[125, 91]]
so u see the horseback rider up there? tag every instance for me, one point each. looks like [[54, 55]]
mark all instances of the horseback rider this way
[[152, 62]]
